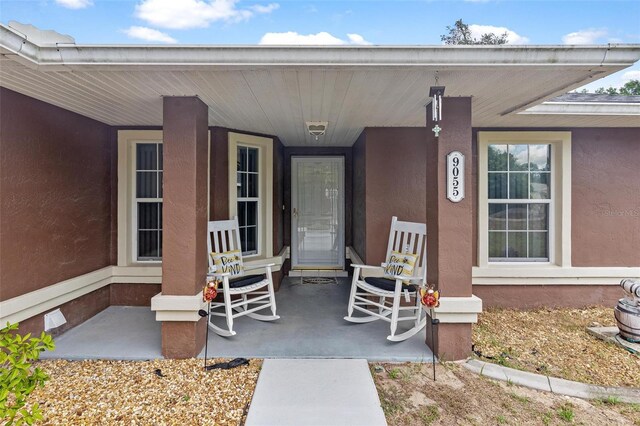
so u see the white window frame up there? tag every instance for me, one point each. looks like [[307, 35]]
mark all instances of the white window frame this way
[[137, 200], [127, 208], [258, 199], [559, 234], [265, 187]]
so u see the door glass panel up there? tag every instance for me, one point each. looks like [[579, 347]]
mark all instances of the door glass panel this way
[[318, 223]]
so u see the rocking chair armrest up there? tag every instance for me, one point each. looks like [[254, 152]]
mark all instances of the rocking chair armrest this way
[[263, 266], [413, 280], [213, 273], [365, 266]]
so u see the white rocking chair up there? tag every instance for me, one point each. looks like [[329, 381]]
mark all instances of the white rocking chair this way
[[405, 237], [223, 236]]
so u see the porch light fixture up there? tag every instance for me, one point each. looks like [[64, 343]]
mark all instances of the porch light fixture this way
[[317, 128]]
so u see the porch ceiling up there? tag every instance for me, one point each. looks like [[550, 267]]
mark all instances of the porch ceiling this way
[[274, 90]]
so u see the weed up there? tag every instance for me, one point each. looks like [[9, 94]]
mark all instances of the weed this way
[[503, 359], [519, 398], [394, 373], [501, 419], [566, 413], [509, 382], [611, 400], [186, 398], [389, 407], [429, 415], [546, 418]]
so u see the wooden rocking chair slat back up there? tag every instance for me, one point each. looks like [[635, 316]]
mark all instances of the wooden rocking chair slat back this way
[[409, 237], [224, 235]]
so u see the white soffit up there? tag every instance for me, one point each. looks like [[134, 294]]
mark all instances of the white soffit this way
[[276, 89]]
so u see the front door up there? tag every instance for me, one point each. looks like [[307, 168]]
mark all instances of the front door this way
[[317, 212]]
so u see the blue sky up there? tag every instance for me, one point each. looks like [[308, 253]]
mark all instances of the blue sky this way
[[331, 22]]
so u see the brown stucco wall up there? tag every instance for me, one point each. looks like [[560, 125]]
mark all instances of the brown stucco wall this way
[[55, 184], [125, 294], [348, 186], [395, 183], [548, 296], [359, 211], [605, 213]]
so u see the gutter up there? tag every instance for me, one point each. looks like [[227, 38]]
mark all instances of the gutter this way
[[73, 56]]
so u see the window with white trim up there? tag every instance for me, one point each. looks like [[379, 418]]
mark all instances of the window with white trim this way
[[148, 201], [251, 191], [524, 198], [519, 201], [248, 198]]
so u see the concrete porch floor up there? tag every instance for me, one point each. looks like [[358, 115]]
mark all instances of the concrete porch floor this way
[[311, 325]]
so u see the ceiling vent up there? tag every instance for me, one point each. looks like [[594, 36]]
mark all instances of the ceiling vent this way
[[317, 128]]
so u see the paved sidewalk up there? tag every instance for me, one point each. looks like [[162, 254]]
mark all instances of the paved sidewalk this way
[[323, 392]]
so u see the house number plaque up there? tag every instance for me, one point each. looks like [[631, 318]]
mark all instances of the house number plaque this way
[[455, 176]]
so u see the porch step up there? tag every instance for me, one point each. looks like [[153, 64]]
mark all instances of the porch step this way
[[331, 273], [315, 392]]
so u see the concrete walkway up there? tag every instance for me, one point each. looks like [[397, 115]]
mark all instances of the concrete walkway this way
[[319, 392]]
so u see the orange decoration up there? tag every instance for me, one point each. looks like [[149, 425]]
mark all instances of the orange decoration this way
[[430, 297], [210, 291]]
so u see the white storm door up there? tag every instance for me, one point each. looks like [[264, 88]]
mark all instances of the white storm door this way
[[317, 212]]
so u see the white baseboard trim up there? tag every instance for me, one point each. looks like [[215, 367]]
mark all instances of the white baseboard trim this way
[[353, 256], [551, 275], [25, 306]]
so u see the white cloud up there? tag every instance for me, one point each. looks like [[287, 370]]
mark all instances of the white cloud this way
[[321, 38], [358, 39], [74, 4], [630, 75], [588, 36], [258, 8], [512, 36], [185, 14], [149, 34]]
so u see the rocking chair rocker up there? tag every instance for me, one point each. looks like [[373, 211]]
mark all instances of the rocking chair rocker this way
[[405, 238], [256, 291]]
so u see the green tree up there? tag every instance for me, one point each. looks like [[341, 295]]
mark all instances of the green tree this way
[[630, 88], [461, 34]]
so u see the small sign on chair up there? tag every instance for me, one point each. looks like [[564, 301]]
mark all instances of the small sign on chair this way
[[455, 176]]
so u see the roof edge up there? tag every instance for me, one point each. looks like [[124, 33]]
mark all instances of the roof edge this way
[[71, 54]]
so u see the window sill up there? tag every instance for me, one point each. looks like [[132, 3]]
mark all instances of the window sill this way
[[527, 274]]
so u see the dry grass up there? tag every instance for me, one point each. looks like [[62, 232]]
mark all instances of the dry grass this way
[[556, 343], [130, 392], [409, 396]]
